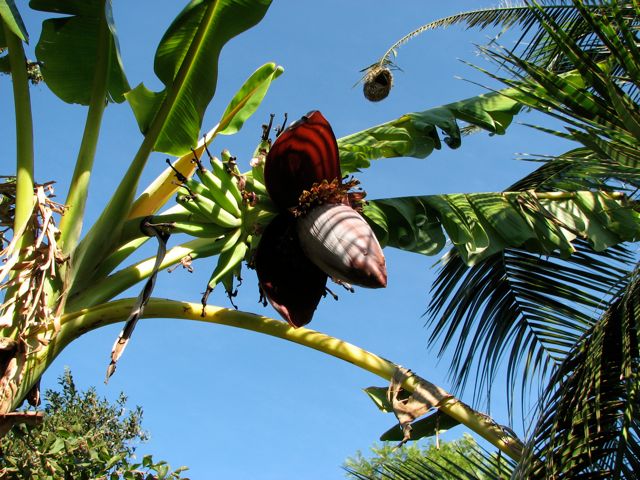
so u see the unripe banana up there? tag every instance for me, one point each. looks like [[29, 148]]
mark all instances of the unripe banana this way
[[220, 188], [228, 280], [200, 230], [193, 186], [188, 202], [229, 240], [256, 186], [179, 215], [203, 205], [227, 262], [219, 168]]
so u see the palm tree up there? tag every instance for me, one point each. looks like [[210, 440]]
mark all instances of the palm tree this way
[[563, 320]]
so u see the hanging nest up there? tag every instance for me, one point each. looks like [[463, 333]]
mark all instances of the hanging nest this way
[[377, 83]]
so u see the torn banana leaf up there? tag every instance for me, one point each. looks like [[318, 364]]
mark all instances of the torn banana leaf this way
[[481, 224], [417, 134]]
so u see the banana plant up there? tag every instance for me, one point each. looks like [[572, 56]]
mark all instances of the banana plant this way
[[292, 216]]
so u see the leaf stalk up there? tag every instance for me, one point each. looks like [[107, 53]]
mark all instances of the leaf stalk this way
[[24, 151], [71, 223]]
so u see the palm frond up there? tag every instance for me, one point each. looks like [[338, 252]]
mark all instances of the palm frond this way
[[477, 464], [518, 306], [526, 307], [598, 96], [505, 17], [538, 45], [588, 426], [529, 309], [581, 168]]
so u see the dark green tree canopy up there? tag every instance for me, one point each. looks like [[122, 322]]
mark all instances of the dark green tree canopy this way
[[81, 437]]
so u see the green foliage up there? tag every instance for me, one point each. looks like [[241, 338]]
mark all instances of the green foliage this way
[[496, 296], [416, 134], [522, 308], [387, 459], [186, 62], [588, 426], [11, 17], [74, 47], [570, 321], [248, 98], [482, 224], [82, 436]]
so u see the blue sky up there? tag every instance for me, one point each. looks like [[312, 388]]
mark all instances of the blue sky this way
[[234, 404]]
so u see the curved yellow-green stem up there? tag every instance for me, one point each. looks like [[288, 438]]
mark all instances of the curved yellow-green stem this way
[[24, 156], [76, 323]]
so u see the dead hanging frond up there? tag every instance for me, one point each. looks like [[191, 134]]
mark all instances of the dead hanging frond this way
[[27, 269], [152, 230], [409, 408]]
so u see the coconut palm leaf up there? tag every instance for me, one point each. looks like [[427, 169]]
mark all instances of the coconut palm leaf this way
[[514, 304], [596, 98], [511, 303], [520, 305], [479, 464], [520, 308], [505, 17], [583, 168], [535, 44], [588, 426]]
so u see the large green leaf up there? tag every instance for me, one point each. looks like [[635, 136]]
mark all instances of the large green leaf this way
[[247, 100], [187, 64], [481, 224], [416, 134], [11, 17], [75, 47], [243, 104]]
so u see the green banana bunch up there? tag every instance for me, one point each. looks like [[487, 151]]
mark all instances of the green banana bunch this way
[[220, 204], [222, 186], [228, 167], [216, 197], [207, 208], [180, 220], [213, 207]]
